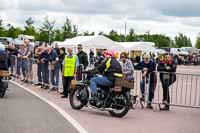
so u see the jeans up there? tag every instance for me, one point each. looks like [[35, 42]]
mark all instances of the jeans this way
[[24, 64], [39, 72], [12, 67], [94, 82], [55, 77], [152, 85], [19, 60], [45, 73], [142, 86]]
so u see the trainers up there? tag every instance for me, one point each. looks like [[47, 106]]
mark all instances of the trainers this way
[[165, 108], [142, 99], [46, 87], [64, 96], [53, 89], [42, 86], [95, 100], [38, 84], [149, 106]]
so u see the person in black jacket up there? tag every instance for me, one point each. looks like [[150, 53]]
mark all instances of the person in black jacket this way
[[82, 56], [54, 67], [167, 68], [61, 57], [45, 68]]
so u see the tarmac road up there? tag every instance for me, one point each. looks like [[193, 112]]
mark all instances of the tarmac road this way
[[21, 112]]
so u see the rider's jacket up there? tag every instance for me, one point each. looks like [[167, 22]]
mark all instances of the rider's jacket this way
[[110, 68]]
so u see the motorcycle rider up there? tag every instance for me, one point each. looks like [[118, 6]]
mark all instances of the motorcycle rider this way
[[110, 68]]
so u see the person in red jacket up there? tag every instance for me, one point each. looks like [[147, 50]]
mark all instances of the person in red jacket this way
[[167, 68]]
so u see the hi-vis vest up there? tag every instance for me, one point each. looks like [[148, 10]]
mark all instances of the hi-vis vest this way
[[108, 64], [69, 66]]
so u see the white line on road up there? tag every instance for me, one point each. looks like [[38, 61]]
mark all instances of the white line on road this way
[[57, 108]]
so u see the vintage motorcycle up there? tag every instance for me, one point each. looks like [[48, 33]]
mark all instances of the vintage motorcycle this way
[[4, 73], [114, 99]]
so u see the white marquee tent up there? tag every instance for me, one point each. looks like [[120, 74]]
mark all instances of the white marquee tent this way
[[138, 46], [92, 42]]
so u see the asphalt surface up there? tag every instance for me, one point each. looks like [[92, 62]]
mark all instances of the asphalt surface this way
[[21, 112], [177, 120]]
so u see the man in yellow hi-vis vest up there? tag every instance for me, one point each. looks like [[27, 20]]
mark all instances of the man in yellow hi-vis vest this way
[[70, 64]]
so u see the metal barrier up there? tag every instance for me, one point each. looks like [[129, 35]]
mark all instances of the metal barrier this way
[[184, 92], [31, 72]]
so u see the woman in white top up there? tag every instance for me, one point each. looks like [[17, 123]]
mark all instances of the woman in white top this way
[[127, 66]]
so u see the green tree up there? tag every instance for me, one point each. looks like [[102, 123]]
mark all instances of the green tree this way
[[46, 32], [69, 30], [113, 35], [197, 45], [86, 33], [13, 32], [29, 29], [57, 35], [182, 41], [159, 39], [131, 36], [2, 29]]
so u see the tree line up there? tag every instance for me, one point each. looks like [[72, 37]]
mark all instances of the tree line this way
[[48, 32]]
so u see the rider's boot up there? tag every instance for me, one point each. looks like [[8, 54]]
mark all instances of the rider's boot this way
[[95, 101]]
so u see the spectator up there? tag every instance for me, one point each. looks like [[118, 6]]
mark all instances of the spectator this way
[[148, 67], [127, 66], [45, 68], [54, 66], [82, 56], [167, 76], [24, 61], [61, 58], [100, 57], [12, 55], [38, 53], [29, 55], [91, 55], [70, 63]]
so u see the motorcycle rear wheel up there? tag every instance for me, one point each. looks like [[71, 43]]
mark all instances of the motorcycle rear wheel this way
[[124, 110], [2, 93]]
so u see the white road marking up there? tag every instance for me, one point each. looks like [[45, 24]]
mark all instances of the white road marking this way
[[57, 108]]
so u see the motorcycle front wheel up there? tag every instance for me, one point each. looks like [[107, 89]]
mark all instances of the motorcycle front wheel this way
[[79, 97]]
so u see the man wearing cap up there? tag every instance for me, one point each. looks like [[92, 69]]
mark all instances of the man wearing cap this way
[[148, 67], [70, 63], [82, 56]]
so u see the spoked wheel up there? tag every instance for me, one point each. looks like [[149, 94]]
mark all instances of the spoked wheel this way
[[79, 97], [120, 106]]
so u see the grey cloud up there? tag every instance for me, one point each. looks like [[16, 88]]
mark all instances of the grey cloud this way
[[177, 8]]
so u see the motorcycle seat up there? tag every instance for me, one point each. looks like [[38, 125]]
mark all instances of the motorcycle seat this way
[[105, 86]]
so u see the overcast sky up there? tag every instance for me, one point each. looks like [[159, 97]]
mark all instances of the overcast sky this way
[[157, 16]]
